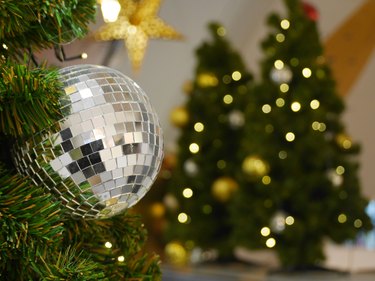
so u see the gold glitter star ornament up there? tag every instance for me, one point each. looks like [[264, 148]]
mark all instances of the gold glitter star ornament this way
[[136, 23]]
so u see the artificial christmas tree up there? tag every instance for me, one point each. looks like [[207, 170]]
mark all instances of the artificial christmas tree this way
[[39, 239], [211, 124], [299, 182]]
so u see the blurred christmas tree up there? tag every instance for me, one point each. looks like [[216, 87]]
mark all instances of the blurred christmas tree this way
[[39, 240], [299, 182], [211, 124]]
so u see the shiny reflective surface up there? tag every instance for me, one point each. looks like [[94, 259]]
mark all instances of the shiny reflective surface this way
[[104, 155]]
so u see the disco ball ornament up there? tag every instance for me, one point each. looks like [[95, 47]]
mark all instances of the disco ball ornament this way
[[104, 154]]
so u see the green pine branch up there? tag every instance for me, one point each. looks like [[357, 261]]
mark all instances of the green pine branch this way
[[29, 99], [125, 258], [40, 24], [69, 265], [30, 222]]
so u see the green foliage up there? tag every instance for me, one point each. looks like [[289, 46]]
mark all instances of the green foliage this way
[[34, 210], [40, 24], [31, 236], [313, 178], [29, 99], [39, 242], [127, 236], [29, 224], [68, 265], [208, 224]]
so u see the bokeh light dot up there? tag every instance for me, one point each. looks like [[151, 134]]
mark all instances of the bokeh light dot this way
[[221, 164], [295, 106], [280, 37], [266, 108], [290, 136], [182, 217], [228, 99], [265, 231], [280, 102], [342, 218], [279, 64], [198, 127], [266, 180], [306, 72], [221, 31], [283, 154], [284, 87], [268, 128], [340, 170], [357, 223], [346, 144], [187, 192], [194, 148], [271, 242], [236, 75], [285, 24], [322, 127], [289, 220], [315, 125], [314, 104], [227, 79]]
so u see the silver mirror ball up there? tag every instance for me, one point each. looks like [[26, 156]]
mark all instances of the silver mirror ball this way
[[105, 153]]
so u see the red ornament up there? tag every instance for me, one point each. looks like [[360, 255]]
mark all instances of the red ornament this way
[[310, 11]]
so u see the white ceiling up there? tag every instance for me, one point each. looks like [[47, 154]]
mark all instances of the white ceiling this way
[[168, 64]]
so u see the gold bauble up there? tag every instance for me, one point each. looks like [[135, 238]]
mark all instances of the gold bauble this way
[[254, 166], [176, 254], [170, 160], [223, 188], [206, 79], [179, 116], [187, 87], [157, 210], [344, 141]]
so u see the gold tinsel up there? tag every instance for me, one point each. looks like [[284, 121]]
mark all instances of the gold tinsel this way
[[179, 116]]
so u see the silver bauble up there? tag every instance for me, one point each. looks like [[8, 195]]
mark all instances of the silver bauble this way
[[335, 178], [190, 167], [278, 222], [236, 119], [171, 202], [104, 154], [281, 76]]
